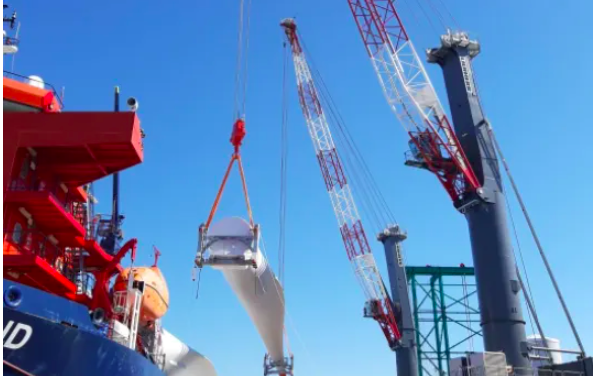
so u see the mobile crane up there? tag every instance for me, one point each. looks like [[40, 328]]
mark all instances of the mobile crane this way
[[463, 159], [378, 305]]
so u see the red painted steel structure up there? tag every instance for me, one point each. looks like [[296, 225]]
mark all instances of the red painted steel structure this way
[[237, 136], [25, 95], [48, 156], [410, 93], [357, 246]]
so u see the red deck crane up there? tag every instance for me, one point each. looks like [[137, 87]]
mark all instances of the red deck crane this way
[[463, 158], [378, 305], [410, 94]]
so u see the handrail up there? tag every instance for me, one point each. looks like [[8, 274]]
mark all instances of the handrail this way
[[34, 185], [36, 243], [101, 226], [26, 80], [9, 41]]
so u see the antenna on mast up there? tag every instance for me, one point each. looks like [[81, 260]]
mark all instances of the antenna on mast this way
[[9, 44], [115, 235], [11, 20]]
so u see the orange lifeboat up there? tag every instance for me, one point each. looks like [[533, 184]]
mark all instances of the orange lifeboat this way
[[155, 301]]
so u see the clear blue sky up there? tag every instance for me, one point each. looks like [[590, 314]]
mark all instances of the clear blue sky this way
[[178, 60]]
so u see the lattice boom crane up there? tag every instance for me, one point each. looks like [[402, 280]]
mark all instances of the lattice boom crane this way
[[464, 158], [378, 305], [410, 94]]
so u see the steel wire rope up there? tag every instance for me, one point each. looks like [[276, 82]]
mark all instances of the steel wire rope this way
[[529, 296], [241, 67], [351, 171], [369, 184], [450, 14], [368, 201], [411, 9], [283, 171], [523, 265], [246, 60], [350, 144], [343, 151], [291, 322], [435, 9], [378, 199], [198, 285], [353, 175], [537, 241], [426, 16], [438, 14], [344, 130], [18, 29], [238, 62]]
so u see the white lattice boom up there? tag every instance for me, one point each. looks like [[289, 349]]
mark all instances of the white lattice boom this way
[[411, 96], [353, 235]]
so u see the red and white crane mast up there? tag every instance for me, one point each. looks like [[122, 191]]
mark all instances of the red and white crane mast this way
[[412, 97], [378, 304]]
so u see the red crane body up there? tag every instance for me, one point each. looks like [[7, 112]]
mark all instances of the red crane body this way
[[378, 305], [409, 92]]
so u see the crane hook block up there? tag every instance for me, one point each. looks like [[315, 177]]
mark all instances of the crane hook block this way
[[238, 133]]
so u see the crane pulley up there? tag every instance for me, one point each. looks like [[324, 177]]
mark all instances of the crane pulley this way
[[378, 305]]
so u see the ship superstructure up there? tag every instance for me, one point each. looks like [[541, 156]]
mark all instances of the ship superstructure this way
[[61, 259]]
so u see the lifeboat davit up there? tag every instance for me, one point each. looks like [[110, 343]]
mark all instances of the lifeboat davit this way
[[155, 301]]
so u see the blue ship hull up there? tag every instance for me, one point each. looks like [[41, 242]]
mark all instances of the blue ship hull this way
[[45, 335]]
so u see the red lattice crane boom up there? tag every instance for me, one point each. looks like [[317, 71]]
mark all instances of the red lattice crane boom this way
[[410, 94], [378, 305]]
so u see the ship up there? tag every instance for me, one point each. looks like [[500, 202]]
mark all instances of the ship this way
[[70, 307]]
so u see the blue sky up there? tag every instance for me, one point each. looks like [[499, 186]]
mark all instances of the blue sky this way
[[178, 59]]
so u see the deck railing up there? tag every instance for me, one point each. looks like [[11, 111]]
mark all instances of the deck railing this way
[[102, 227], [27, 80], [33, 242], [509, 371], [9, 41], [32, 184]]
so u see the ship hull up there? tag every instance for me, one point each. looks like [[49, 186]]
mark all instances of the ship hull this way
[[49, 340]]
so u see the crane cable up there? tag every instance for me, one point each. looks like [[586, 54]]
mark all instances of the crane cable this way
[[528, 294], [241, 64], [536, 239], [283, 172], [450, 14], [438, 14], [290, 320], [445, 16], [374, 203], [238, 110], [239, 101], [426, 15]]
